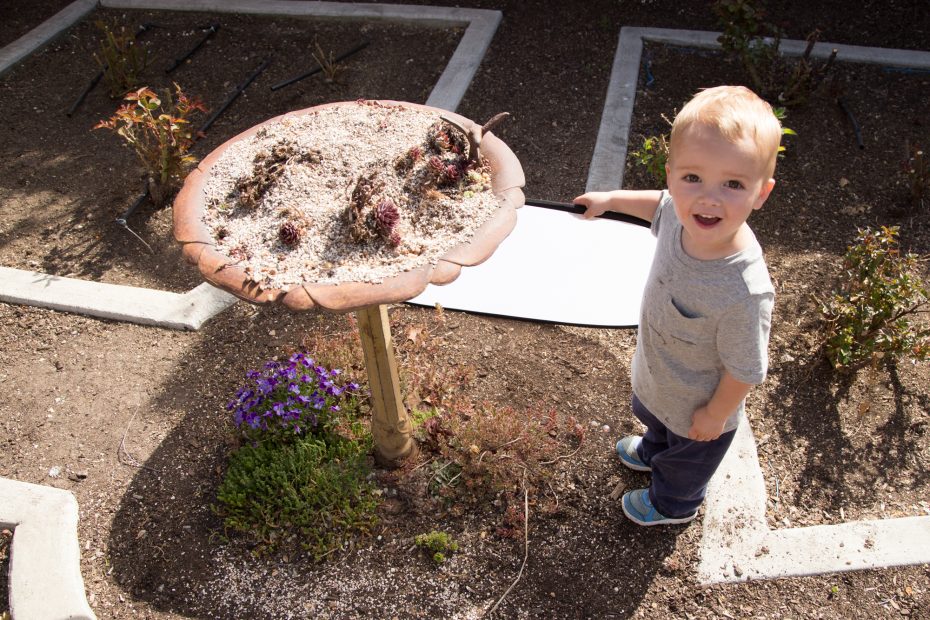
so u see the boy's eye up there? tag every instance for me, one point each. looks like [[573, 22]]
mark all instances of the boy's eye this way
[[734, 184], [692, 178]]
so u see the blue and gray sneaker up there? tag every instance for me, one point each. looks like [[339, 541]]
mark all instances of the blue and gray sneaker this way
[[638, 507], [627, 451]]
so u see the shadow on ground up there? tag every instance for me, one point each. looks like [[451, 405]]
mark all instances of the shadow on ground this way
[[585, 559]]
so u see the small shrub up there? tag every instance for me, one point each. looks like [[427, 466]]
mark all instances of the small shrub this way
[[338, 346], [488, 450], [653, 156], [781, 114], [161, 138], [312, 491], [754, 42], [871, 317], [438, 544], [121, 58], [287, 400], [332, 68]]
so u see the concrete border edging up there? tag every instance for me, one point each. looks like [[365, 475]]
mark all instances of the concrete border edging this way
[[737, 544], [45, 557], [113, 301], [605, 172], [192, 309], [44, 33]]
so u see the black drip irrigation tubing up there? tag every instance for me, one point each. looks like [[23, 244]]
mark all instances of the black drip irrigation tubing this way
[[234, 95], [211, 30], [852, 119], [96, 79], [358, 47]]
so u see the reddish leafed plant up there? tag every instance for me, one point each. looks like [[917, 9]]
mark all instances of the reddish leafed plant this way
[[160, 135]]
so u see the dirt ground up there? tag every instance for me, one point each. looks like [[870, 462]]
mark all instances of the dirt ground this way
[[131, 418]]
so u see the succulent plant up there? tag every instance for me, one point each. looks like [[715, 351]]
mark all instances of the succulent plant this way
[[386, 216], [290, 233]]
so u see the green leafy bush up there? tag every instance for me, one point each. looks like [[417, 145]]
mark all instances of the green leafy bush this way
[[161, 138], [438, 544], [872, 315], [653, 155], [312, 491]]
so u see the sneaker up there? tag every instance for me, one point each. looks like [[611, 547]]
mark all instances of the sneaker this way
[[639, 509], [626, 450]]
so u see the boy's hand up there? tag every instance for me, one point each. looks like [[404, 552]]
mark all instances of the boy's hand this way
[[704, 426], [595, 203]]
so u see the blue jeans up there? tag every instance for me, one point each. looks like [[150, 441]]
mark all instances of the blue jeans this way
[[681, 467]]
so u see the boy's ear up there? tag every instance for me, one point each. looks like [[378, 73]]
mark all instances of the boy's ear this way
[[767, 188]]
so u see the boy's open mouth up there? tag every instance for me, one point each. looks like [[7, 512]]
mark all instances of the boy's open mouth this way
[[706, 220]]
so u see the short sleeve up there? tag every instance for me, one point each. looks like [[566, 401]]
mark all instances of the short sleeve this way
[[665, 204], [743, 338]]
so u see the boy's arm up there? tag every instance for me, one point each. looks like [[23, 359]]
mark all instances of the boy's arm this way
[[708, 421], [638, 203]]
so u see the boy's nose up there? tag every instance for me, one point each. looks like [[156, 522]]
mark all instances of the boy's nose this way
[[710, 196]]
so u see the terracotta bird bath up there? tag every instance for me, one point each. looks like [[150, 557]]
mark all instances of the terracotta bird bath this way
[[460, 162]]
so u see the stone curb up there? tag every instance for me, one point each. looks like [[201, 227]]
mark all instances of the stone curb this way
[[45, 558], [113, 301], [607, 163], [738, 545], [46, 32]]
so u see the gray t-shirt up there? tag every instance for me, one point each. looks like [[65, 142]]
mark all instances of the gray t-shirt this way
[[697, 318]]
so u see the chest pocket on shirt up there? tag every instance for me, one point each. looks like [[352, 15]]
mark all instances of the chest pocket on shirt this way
[[679, 328]]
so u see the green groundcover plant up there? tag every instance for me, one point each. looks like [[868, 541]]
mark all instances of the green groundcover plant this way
[[301, 477]]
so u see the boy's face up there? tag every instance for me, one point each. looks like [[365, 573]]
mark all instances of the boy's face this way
[[715, 185]]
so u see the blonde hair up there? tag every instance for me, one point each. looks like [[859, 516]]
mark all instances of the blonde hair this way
[[736, 113]]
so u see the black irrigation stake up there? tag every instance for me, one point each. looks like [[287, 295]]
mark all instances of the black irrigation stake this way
[[211, 30], [360, 46], [852, 119], [96, 79], [234, 95]]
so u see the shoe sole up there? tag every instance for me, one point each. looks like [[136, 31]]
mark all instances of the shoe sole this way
[[631, 465]]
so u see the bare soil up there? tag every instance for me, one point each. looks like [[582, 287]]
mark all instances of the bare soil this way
[[131, 418]]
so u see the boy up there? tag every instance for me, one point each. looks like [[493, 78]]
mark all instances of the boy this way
[[706, 309]]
